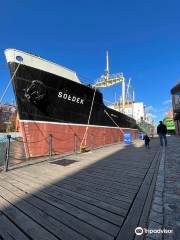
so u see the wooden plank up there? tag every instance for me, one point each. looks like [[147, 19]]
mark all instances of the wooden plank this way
[[95, 194], [125, 193], [113, 166], [57, 186], [96, 168], [147, 206], [109, 189], [115, 199], [130, 181], [55, 171], [109, 176], [67, 219], [130, 172], [19, 199], [125, 159], [90, 200], [61, 191], [117, 195], [123, 188], [9, 231], [103, 214], [26, 224], [131, 222], [108, 182], [117, 166], [82, 215], [105, 182]]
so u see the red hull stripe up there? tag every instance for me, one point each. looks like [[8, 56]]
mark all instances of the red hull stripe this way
[[67, 137]]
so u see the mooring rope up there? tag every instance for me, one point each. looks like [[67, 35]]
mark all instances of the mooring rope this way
[[29, 142], [89, 118], [5, 91], [62, 140]]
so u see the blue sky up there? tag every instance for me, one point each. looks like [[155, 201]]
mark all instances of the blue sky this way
[[143, 39]]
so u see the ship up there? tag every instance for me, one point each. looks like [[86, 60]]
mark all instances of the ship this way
[[52, 101]]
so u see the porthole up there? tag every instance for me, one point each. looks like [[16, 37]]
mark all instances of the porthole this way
[[19, 58]]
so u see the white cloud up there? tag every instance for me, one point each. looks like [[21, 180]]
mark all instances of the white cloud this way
[[162, 109], [151, 115], [167, 102], [150, 109], [158, 113]]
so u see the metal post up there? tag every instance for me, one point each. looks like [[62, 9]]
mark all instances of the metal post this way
[[50, 146], [6, 160], [123, 95], [75, 143]]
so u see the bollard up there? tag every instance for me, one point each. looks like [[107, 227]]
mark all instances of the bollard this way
[[6, 160], [75, 143], [50, 146]]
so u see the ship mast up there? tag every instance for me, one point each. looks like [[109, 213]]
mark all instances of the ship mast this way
[[107, 66], [108, 80]]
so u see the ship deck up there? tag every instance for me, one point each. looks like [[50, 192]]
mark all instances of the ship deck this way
[[104, 194]]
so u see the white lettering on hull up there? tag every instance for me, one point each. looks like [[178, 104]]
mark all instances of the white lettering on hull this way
[[70, 98]]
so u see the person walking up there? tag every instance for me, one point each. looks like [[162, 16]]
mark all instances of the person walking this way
[[162, 131], [146, 140]]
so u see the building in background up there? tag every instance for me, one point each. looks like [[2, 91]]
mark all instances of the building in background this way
[[175, 91], [169, 121], [8, 117], [136, 110], [170, 113], [132, 109]]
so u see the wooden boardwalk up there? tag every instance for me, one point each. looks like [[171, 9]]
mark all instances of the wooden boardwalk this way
[[104, 195]]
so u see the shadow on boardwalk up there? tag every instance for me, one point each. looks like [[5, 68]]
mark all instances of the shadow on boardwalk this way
[[104, 194]]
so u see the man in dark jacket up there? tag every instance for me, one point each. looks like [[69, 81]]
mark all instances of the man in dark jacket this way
[[146, 140], [162, 131]]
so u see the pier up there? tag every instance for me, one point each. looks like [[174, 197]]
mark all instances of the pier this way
[[101, 194]]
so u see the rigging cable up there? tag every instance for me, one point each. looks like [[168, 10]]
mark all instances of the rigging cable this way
[[113, 121]]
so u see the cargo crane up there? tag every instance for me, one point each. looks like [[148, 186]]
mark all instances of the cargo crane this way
[[108, 80]]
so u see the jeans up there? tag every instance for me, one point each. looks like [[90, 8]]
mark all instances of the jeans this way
[[163, 138]]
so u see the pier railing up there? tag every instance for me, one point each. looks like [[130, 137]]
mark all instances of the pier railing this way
[[13, 150]]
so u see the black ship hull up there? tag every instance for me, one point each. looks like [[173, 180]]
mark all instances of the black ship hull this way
[[63, 101], [51, 104]]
